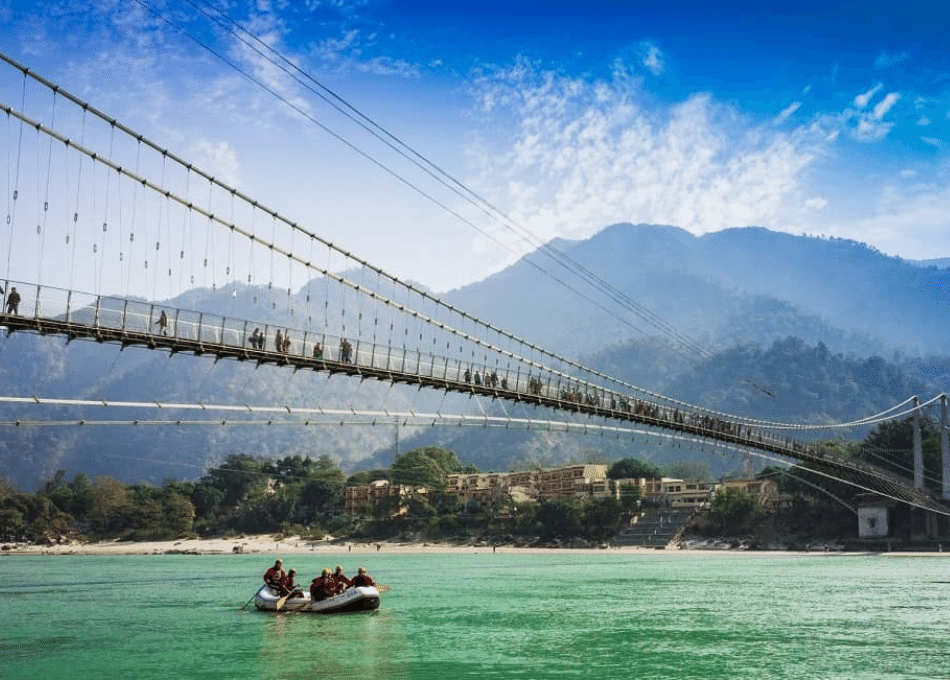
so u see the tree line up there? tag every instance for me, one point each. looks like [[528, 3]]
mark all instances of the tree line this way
[[298, 495]]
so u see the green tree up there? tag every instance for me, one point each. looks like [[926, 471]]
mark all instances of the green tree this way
[[239, 476], [561, 517], [178, 514], [630, 497], [631, 468], [110, 507], [81, 486], [427, 467], [206, 498], [733, 508], [58, 491], [890, 445], [602, 516]]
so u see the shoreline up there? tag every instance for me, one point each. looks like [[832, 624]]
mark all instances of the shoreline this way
[[267, 545]]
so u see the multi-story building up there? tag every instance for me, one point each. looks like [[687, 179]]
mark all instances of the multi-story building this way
[[573, 481], [357, 497], [582, 481]]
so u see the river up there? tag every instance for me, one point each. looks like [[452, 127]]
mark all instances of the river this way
[[484, 615]]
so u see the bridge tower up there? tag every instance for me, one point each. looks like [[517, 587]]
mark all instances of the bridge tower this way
[[918, 449], [944, 448]]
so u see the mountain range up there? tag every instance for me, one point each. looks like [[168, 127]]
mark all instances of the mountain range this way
[[745, 321]]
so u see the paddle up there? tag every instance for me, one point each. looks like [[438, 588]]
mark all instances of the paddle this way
[[280, 602], [384, 588], [244, 606]]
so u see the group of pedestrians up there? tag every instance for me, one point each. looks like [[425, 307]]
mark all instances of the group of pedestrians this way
[[327, 584]]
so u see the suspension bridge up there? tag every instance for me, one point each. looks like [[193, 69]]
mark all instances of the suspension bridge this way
[[104, 208]]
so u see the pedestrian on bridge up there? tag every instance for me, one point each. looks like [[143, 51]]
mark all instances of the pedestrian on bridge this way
[[162, 323], [13, 302]]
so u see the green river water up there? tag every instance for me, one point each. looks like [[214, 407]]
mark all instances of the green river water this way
[[484, 615]]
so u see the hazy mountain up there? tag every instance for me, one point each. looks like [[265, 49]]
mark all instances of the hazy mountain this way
[[720, 289], [939, 263], [722, 308]]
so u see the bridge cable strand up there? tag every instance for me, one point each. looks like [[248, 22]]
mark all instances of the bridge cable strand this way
[[11, 211], [452, 310], [113, 123], [460, 189]]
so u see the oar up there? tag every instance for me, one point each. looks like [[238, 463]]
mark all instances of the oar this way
[[244, 606], [280, 602], [384, 588], [283, 600]]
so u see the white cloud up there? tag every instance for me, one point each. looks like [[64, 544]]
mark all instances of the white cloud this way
[[862, 99], [599, 152], [906, 221], [786, 112], [870, 125], [652, 58], [816, 203], [220, 159], [923, 121], [885, 105], [933, 141], [869, 130], [908, 172]]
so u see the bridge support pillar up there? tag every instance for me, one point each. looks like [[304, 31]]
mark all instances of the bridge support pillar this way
[[918, 449], [944, 448]]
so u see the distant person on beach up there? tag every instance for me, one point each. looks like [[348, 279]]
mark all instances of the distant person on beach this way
[[322, 587], [13, 302], [275, 576], [362, 579]]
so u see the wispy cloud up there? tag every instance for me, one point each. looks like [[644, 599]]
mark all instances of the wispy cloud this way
[[870, 125], [652, 58], [907, 220], [588, 153], [885, 105], [786, 112], [862, 99]]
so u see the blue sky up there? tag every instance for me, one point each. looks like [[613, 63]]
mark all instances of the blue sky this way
[[825, 118]]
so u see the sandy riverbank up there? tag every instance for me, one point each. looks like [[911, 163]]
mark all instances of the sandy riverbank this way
[[270, 546]]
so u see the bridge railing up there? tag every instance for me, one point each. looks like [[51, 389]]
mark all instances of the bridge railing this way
[[138, 319], [141, 318]]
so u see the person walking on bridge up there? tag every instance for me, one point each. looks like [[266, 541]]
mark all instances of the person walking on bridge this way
[[13, 302], [162, 323]]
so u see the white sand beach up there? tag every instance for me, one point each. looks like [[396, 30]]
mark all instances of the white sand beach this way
[[278, 546]]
